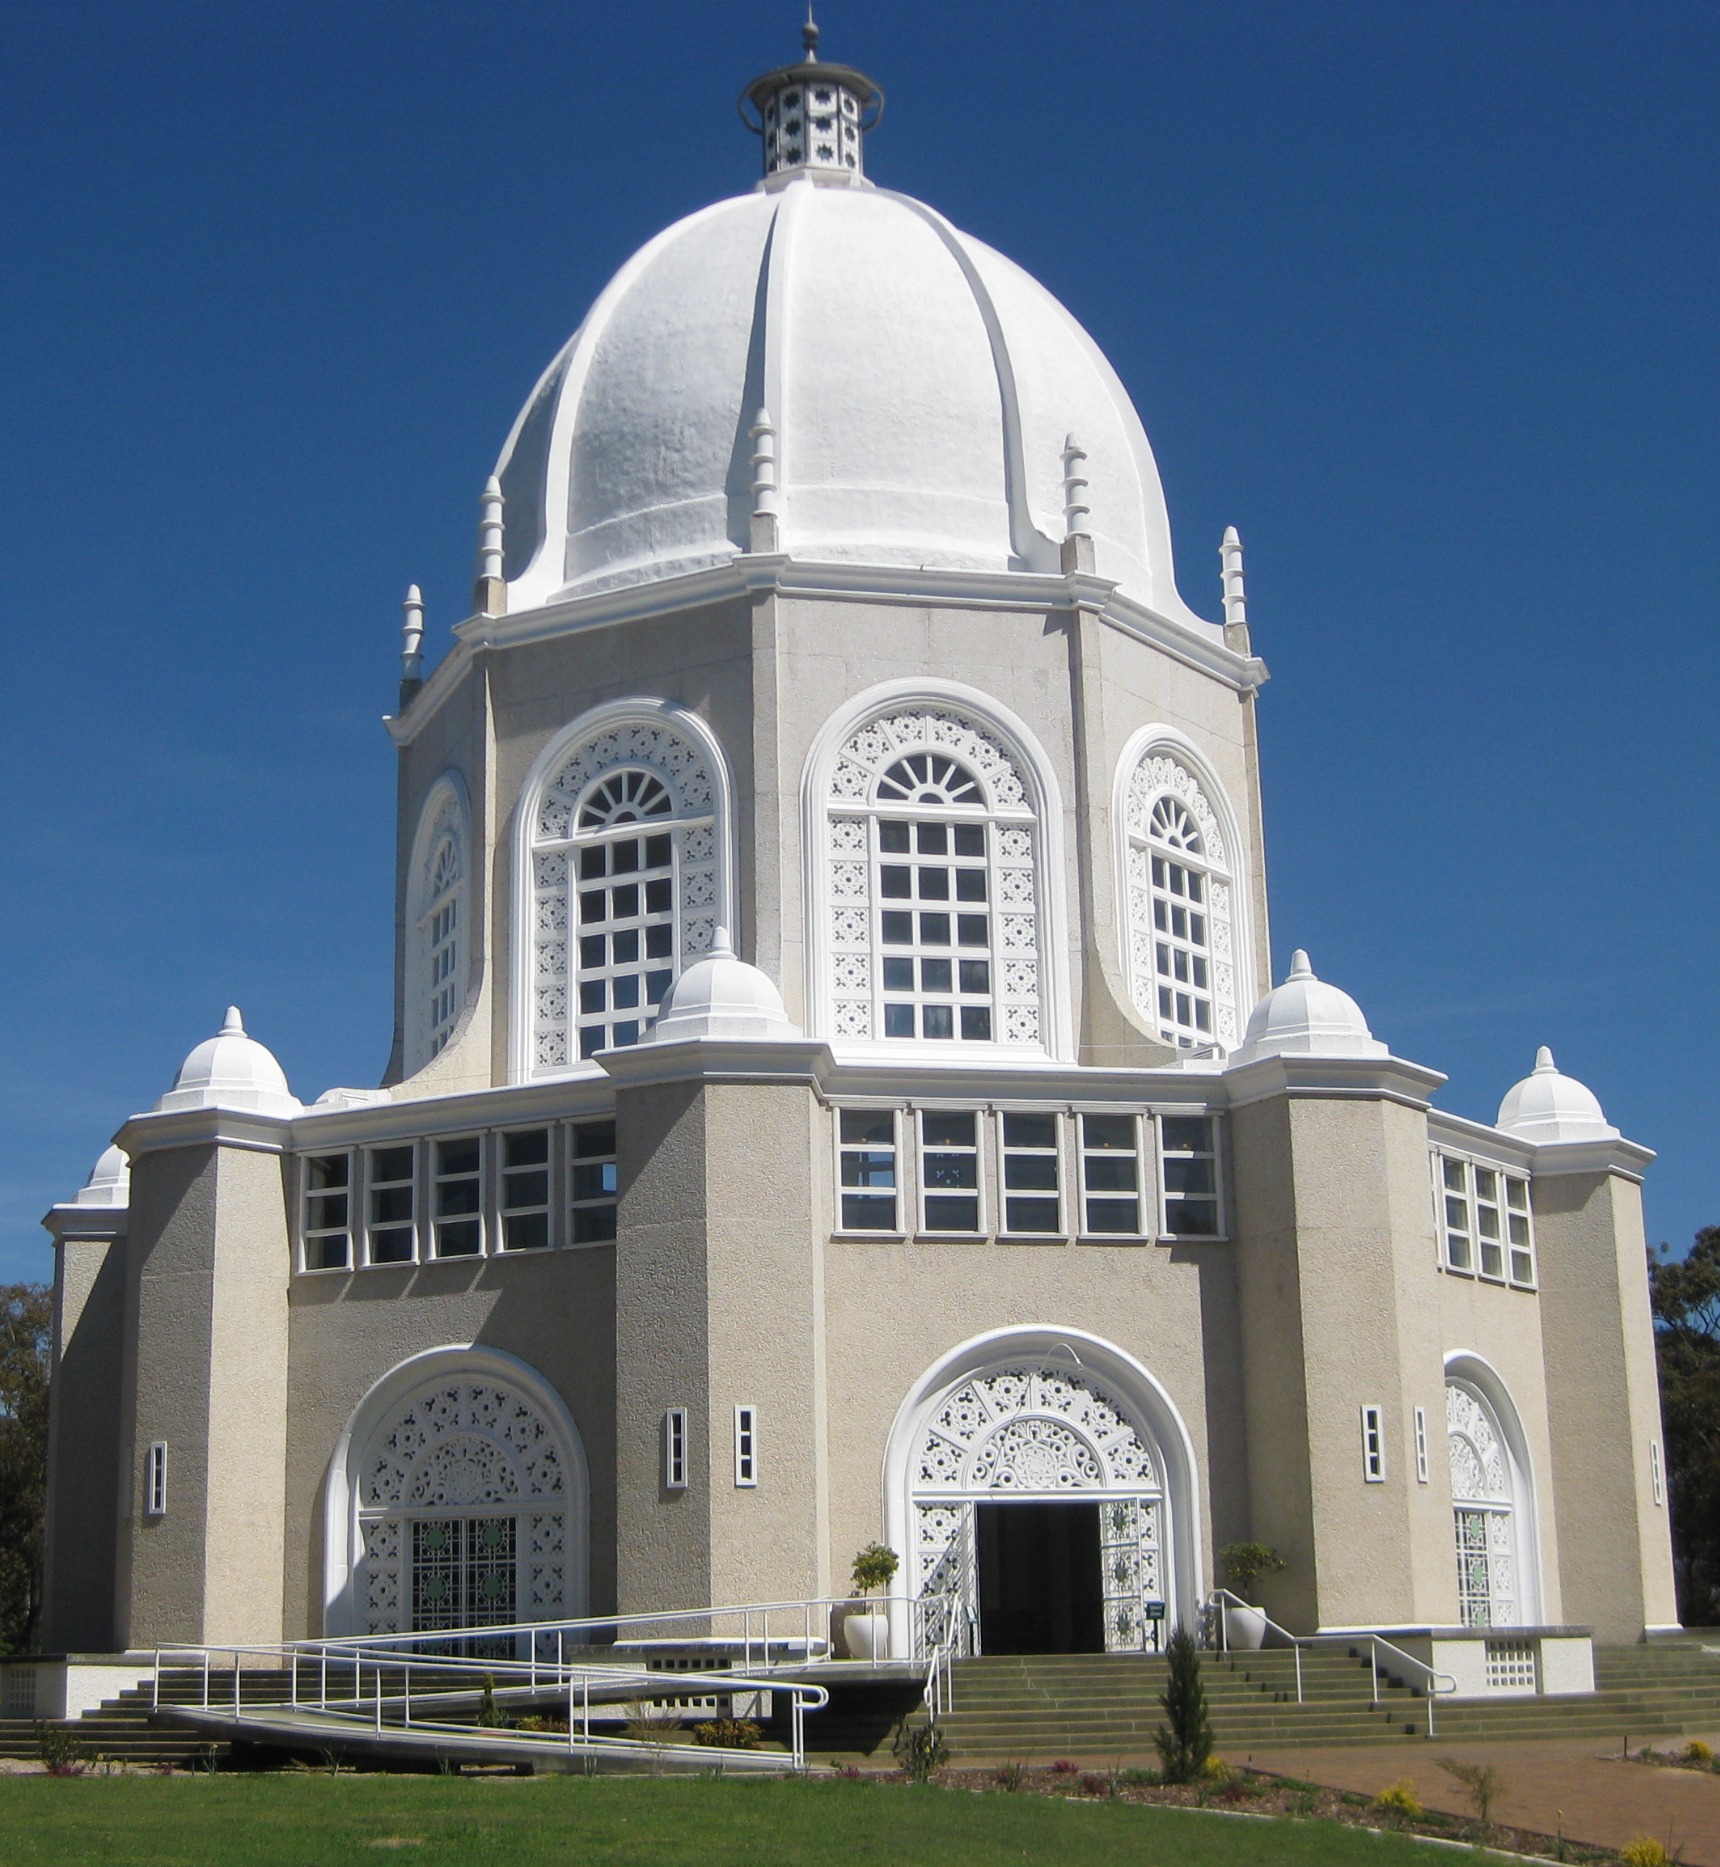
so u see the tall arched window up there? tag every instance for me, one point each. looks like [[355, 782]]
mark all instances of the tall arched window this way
[[626, 876], [437, 914], [931, 883], [1181, 945], [1484, 1509]]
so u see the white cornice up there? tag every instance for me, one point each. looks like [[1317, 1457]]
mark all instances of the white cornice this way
[[1628, 1159], [1388, 1079], [206, 1127], [98, 1223], [747, 575]]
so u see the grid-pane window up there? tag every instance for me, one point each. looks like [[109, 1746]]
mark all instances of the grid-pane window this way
[[458, 1196], [392, 1208], [625, 896], [1188, 1165], [525, 1190], [442, 942], [1113, 1182], [870, 1187], [1182, 943], [933, 887], [949, 1170], [327, 1228], [1031, 1179], [593, 1184], [1484, 1218]]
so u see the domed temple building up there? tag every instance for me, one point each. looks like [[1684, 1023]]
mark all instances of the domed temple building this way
[[838, 1091]]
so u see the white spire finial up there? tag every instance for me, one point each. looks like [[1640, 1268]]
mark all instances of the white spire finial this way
[[1077, 552], [232, 1025], [1235, 594], [809, 36], [491, 595], [766, 512], [1544, 1064], [1299, 967], [412, 634]]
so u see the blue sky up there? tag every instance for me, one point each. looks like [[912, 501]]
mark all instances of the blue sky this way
[[1419, 296]]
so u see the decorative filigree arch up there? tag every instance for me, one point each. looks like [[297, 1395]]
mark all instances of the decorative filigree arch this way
[[1492, 1500]]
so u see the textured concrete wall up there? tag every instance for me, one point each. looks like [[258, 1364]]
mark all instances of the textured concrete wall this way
[[1603, 1402], [553, 1310], [83, 1446]]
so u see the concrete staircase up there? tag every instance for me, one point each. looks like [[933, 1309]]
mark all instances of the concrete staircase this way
[[123, 1730]]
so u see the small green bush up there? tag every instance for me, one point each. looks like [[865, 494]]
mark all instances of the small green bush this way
[[1185, 1738], [62, 1753], [729, 1734], [875, 1567], [1483, 1782], [920, 1751], [1698, 1752], [1645, 1851], [1010, 1776], [1399, 1802]]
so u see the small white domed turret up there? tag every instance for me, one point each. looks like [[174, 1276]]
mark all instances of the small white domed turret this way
[[109, 1183], [722, 996], [231, 1071], [1305, 1017], [1550, 1106]]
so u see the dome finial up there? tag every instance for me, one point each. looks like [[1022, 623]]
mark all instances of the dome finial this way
[[812, 116], [232, 1025], [767, 510], [1544, 1064], [1299, 966], [1077, 552], [490, 597], [1235, 594]]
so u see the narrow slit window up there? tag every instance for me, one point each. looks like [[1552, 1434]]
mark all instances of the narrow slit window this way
[[1656, 1474], [525, 1190], [1373, 1445], [593, 1202], [746, 1446], [1032, 1202], [459, 1197], [393, 1206], [155, 1480], [870, 1184], [328, 1212], [1112, 1180], [949, 1170], [1421, 1474], [675, 1449], [1188, 1164]]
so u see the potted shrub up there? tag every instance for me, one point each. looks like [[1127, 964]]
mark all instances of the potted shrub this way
[[1243, 1565], [866, 1631]]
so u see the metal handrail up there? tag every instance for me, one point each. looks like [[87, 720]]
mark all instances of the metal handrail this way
[[1433, 1676]]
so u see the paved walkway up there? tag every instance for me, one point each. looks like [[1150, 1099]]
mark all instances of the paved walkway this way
[[1573, 1783]]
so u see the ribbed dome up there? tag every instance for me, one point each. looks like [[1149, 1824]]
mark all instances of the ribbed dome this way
[[921, 386], [1305, 1017], [109, 1183], [722, 996], [231, 1071], [1548, 1106]]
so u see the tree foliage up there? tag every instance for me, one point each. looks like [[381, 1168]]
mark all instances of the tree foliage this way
[[1686, 1296], [1185, 1738], [26, 1324]]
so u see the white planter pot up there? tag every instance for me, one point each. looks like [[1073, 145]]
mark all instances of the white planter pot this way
[[866, 1634], [1244, 1629]]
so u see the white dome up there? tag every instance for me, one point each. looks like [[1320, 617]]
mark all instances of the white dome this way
[[1550, 1106], [109, 1183], [920, 385], [722, 996], [1305, 1017], [231, 1071]]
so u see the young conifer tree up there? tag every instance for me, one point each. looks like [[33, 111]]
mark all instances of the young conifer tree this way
[[1185, 1739]]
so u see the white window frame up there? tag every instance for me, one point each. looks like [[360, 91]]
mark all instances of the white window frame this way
[[374, 1184], [609, 1200], [1145, 1160], [925, 1192], [1059, 1193], [1657, 1472], [898, 1163], [478, 1215], [438, 922], [1461, 1214], [311, 1235], [746, 1446], [509, 1180], [1214, 1153], [675, 1449], [1373, 1443], [1421, 1465], [155, 1480]]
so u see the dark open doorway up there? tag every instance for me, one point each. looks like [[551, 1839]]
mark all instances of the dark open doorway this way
[[1039, 1582]]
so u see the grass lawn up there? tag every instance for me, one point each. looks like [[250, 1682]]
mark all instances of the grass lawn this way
[[283, 1820]]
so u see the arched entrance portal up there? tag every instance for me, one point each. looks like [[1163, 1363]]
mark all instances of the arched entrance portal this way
[[457, 1498], [1042, 1480], [1492, 1499]]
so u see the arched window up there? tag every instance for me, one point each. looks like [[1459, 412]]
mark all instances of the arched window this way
[[1181, 958], [625, 873], [1484, 1506], [931, 884], [437, 957]]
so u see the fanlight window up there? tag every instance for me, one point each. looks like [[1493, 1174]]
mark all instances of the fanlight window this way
[[1483, 1504], [436, 941], [625, 888], [441, 936], [932, 848], [1181, 970]]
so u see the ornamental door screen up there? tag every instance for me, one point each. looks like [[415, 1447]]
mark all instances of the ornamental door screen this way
[[1042, 1433], [1483, 1507]]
